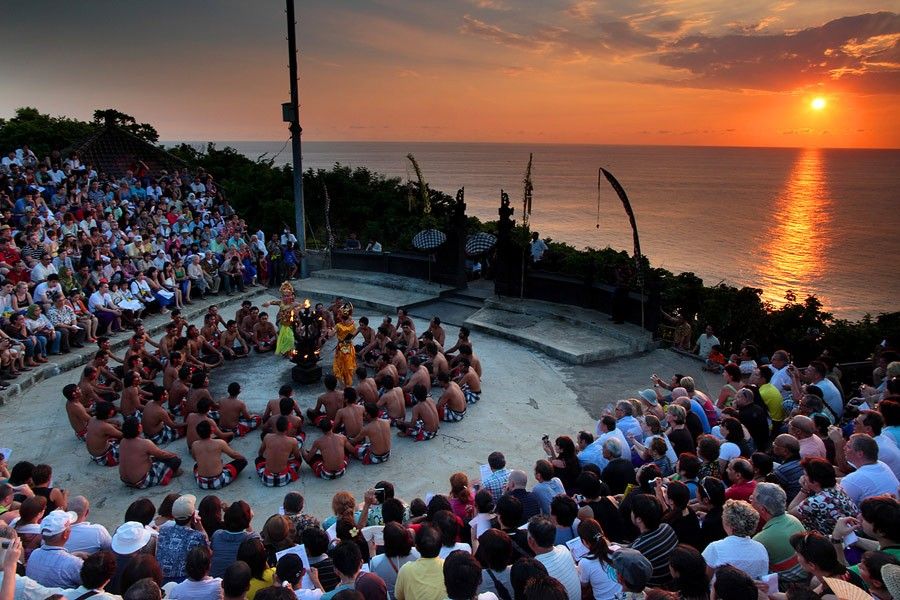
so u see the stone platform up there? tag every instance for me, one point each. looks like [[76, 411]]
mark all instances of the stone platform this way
[[570, 334], [379, 291]]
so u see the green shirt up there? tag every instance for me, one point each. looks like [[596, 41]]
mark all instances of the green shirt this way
[[891, 550], [776, 535]]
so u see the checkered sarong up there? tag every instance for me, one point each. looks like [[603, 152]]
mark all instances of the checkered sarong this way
[[418, 433], [318, 469], [471, 397], [110, 458], [229, 473], [166, 434], [449, 415], [159, 474], [367, 457], [269, 479], [245, 426]]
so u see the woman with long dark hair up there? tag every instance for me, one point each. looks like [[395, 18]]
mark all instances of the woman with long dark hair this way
[[595, 570], [688, 568], [564, 458]]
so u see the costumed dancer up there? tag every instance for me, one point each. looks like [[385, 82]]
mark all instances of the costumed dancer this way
[[286, 308], [345, 353]]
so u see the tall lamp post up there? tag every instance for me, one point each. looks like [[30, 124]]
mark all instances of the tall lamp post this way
[[291, 114]]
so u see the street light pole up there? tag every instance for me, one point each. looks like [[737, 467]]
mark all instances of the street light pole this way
[[292, 114]]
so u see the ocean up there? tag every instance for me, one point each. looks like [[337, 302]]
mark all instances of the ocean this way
[[811, 221]]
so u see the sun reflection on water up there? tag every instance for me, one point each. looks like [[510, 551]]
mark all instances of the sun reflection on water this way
[[795, 252]]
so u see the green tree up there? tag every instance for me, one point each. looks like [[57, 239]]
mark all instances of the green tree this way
[[145, 131], [42, 133]]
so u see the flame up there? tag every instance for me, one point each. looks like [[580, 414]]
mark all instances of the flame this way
[[306, 303]]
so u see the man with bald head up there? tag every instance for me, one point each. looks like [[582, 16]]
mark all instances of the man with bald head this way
[[786, 449], [515, 487], [804, 429], [85, 536]]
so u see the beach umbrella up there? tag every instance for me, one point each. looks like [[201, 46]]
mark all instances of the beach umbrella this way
[[429, 239], [479, 243]]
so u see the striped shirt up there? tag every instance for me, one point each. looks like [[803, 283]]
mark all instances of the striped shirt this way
[[656, 546]]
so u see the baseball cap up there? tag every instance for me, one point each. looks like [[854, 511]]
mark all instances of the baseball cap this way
[[633, 566], [57, 522], [138, 238], [184, 506], [130, 537], [649, 396]]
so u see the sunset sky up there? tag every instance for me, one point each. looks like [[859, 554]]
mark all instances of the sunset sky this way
[[579, 71]]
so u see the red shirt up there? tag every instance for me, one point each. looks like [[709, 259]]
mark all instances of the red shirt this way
[[740, 491]]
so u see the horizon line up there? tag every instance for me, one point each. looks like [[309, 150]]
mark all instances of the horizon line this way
[[543, 143]]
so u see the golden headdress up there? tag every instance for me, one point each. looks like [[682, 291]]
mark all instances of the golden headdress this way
[[287, 289], [346, 309]]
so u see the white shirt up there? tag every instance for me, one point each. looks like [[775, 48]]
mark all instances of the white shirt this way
[[538, 247], [98, 300], [747, 555], [888, 453], [781, 378], [446, 550], [832, 396], [601, 576], [706, 342], [869, 480], [561, 566], [39, 272], [209, 588], [88, 537]]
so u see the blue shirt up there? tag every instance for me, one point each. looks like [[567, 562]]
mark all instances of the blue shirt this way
[[697, 409], [52, 566], [593, 454], [546, 491], [172, 547], [496, 482]]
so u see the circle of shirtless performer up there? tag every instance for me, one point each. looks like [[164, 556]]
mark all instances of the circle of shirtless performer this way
[[143, 464], [209, 472], [328, 456], [278, 462], [424, 423]]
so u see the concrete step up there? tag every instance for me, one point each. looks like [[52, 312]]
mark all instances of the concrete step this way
[[455, 298], [553, 337], [362, 295], [383, 280], [155, 326], [450, 313]]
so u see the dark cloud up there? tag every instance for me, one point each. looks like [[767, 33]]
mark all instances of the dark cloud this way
[[858, 53]]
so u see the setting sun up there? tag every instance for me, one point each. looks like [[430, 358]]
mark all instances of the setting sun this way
[[818, 103]]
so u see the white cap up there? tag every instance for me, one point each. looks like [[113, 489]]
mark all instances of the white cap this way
[[57, 522]]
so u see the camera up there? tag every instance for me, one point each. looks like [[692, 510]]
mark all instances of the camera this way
[[545, 438]]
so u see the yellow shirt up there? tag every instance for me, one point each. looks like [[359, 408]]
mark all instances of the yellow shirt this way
[[422, 579], [773, 401], [259, 584]]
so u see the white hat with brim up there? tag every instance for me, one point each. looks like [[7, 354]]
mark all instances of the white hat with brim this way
[[57, 522], [891, 576], [130, 537]]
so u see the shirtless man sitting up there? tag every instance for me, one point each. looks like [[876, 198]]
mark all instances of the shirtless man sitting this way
[[179, 391], [392, 403], [200, 391], [142, 464], [170, 373], [437, 331], [247, 324], [466, 352], [366, 332], [202, 414], [409, 341], [371, 351], [295, 423], [384, 367], [439, 362], [158, 425], [463, 338], [133, 397], [366, 388], [419, 375], [278, 462], [102, 437], [106, 376], [328, 403], [209, 472], [202, 349], [264, 335], [232, 343], [451, 406], [94, 392], [182, 345], [328, 456], [424, 423], [349, 419], [233, 413], [469, 382], [397, 359], [167, 341], [76, 411], [372, 445], [273, 406]]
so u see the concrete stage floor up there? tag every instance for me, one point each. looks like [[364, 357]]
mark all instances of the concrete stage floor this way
[[525, 395]]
